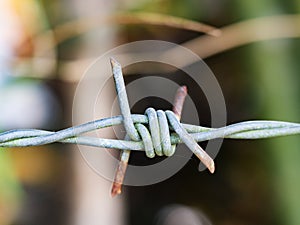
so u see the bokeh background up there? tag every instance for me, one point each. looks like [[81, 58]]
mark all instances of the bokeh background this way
[[45, 47]]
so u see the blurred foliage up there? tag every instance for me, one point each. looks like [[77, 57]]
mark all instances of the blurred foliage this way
[[31, 168], [10, 190], [275, 77], [190, 9]]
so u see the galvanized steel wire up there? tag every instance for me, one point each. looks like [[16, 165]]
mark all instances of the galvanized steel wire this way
[[244, 130], [155, 132]]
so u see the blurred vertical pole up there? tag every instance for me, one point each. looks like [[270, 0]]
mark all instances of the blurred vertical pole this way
[[277, 84], [93, 204]]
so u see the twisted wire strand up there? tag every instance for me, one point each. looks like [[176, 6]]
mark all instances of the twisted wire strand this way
[[257, 129]]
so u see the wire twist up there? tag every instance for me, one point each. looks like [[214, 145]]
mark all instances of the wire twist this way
[[257, 129]]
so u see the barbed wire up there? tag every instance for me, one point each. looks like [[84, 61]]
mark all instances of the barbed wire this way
[[156, 132], [244, 130]]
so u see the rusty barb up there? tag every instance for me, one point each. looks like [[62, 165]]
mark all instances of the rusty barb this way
[[156, 132]]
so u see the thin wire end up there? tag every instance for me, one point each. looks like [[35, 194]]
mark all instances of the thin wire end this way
[[180, 96], [211, 166], [119, 177], [205, 159], [114, 62], [183, 89], [116, 189]]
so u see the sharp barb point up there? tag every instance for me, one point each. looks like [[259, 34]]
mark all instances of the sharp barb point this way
[[116, 190], [114, 62], [211, 166]]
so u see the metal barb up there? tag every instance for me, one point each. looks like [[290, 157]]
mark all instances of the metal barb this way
[[128, 124], [190, 142], [123, 100]]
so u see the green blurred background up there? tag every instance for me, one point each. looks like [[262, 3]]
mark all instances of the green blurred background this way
[[256, 182]]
